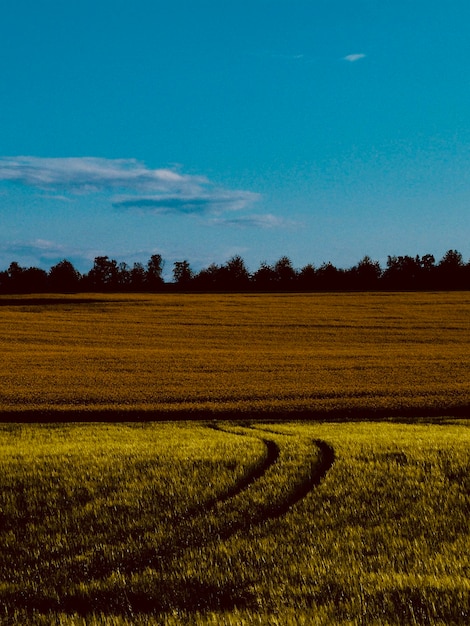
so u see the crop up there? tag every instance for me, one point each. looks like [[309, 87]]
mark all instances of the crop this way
[[79, 500], [198, 354], [235, 523]]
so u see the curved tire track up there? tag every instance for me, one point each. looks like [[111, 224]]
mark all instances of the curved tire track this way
[[233, 511], [325, 462], [222, 517], [186, 535], [272, 455], [273, 507]]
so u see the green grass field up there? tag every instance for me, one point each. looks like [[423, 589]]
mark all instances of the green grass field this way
[[238, 513], [283, 523]]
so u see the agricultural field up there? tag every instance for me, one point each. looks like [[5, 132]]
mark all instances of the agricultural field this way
[[235, 459], [235, 523], [198, 354]]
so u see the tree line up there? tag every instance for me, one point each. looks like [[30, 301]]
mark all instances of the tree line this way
[[107, 275]]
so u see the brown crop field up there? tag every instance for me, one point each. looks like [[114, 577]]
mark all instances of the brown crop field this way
[[199, 354]]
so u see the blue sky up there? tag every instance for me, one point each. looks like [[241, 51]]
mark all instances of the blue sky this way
[[324, 130]]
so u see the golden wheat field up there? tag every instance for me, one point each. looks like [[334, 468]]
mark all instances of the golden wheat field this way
[[200, 353]]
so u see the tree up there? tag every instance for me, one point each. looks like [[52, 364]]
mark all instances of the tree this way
[[451, 271], [306, 278], [182, 273], [154, 278], [123, 277], [12, 278], [138, 277], [209, 278], [104, 275], [365, 275], [234, 274], [63, 277], [15, 271], [402, 272], [4, 282], [330, 278], [265, 277], [427, 271], [285, 273], [427, 262], [25, 280]]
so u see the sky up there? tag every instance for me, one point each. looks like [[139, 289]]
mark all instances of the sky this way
[[321, 130]]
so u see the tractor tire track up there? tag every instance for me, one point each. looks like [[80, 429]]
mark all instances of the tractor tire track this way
[[303, 488], [234, 510], [272, 455], [273, 508], [239, 509], [186, 534]]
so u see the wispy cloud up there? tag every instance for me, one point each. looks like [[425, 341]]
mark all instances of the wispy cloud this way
[[89, 174], [213, 201], [352, 58], [290, 57], [255, 221], [131, 183], [41, 246], [45, 253], [287, 57]]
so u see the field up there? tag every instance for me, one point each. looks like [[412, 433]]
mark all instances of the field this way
[[336, 354], [164, 523], [356, 515]]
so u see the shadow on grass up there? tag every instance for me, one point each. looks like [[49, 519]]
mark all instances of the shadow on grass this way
[[189, 595], [142, 416]]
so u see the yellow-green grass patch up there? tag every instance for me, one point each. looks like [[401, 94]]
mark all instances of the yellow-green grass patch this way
[[121, 524]]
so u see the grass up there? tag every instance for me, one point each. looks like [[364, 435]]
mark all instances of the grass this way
[[166, 354], [118, 524]]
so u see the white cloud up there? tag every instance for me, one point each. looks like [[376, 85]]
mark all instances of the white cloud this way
[[352, 58], [88, 173], [161, 190]]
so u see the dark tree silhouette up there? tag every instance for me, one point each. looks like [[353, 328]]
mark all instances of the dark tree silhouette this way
[[451, 271], [138, 277], [265, 277], [64, 277], [104, 275], [285, 273], [34, 279], [330, 278], [182, 274], [365, 275], [306, 278], [402, 272], [154, 278], [123, 278], [4, 282], [209, 278], [234, 275], [428, 271], [25, 279]]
